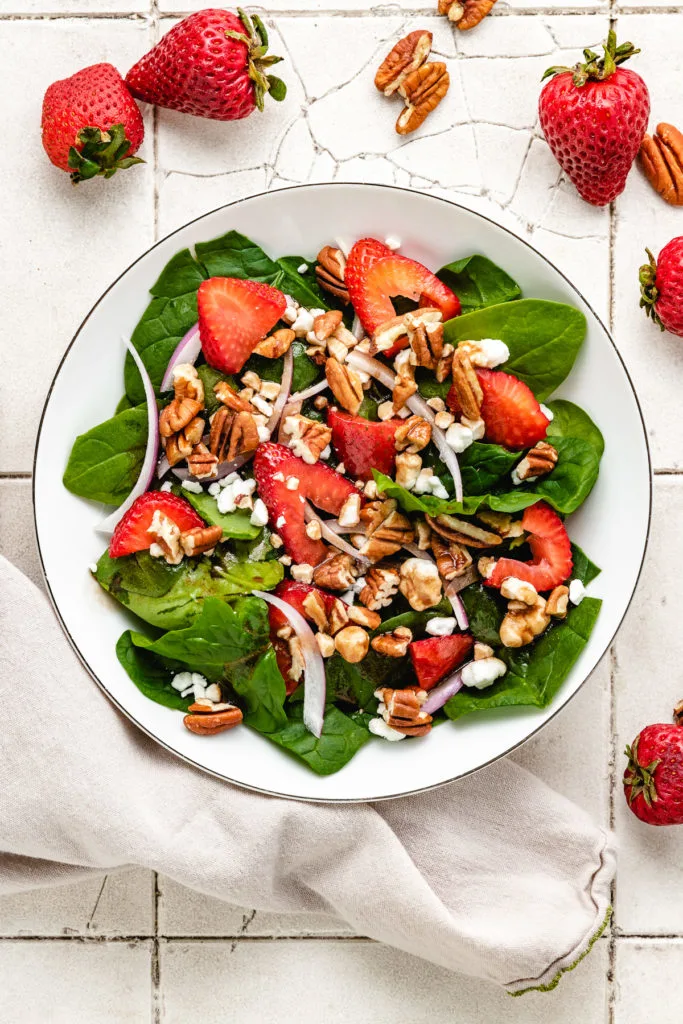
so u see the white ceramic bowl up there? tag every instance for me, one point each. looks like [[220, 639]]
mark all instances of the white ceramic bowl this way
[[612, 526]]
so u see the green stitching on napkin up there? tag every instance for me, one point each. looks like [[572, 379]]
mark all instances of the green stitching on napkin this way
[[555, 982]]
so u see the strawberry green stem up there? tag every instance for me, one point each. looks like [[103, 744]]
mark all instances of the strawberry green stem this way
[[649, 293], [597, 68], [100, 153], [255, 37], [640, 777]]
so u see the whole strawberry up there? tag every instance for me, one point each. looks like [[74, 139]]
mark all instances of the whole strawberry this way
[[211, 64], [594, 117], [661, 287], [91, 124], [653, 780]]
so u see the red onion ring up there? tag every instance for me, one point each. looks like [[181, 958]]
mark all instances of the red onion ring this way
[[148, 468], [416, 404], [285, 388], [163, 466], [332, 537], [187, 351], [458, 610], [314, 667], [444, 691], [315, 389]]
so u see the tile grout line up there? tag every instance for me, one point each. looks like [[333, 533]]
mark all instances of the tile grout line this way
[[156, 1007], [103, 940]]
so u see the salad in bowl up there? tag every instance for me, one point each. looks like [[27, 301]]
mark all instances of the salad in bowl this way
[[341, 491]]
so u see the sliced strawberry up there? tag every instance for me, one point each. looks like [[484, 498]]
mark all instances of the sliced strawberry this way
[[234, 315], [373, 280], [294, 594], [131, 532], [435, 658], [363, 445], [321, 485], [510, 411], [551, 549]]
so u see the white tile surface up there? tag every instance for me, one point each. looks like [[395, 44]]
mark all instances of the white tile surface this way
[[67, 982], [115, 904], [359, 981], [648, 982]]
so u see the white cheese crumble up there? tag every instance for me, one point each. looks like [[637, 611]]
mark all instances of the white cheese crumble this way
[[93, 567], [166, 487], [292, 483], [214, 489], [440, 626], [392, 242], [459, 437], [259, 517], [191, 683], [577, 591], [486, 352], [548, 413], [236, 494], [281, 521], [303, 572], [428, 483], [192, 486], [302, 268], [378, 727], [480, 674]]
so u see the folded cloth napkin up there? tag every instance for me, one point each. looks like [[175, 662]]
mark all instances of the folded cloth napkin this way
[[496, 876]]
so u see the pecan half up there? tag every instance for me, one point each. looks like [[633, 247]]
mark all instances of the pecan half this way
[[465, 14], [413, 435], [422, 90], [219, 438], [177, 415], [345, 385], [243, 435], [228, 396], [329, 271], [538, 461], [388, 536], [381, 586], [306, 437], [200, 541], [662, 158], [406, 56], [276, 344], [402, 710], [452, 560], [179, 446], [425, 335], [463, 531], [326, 324], [202, 463], [466, 386], [394, 644], [336, 573], [210, 723], [327, 622]]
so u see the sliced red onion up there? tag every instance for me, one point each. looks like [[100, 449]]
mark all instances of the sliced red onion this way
[[182, 472], [148, 468], [187, 352], [163, 466], [285, 388], [444, 691], [315, 389], [315, 685], [468, 577], [332, 537], [416, 404], [458, 610], [357, 329]]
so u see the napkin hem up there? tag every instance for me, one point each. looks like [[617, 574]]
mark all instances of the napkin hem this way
[[550, 985]]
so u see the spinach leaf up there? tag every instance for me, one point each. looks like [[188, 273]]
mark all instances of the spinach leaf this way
[[484, 612], [573, 478], [570, 420], [235, 255], [262, 691], [105, 462], [341, 739], [584, 569], [485, 467], [220, 639], [195, 581], [535, 673], [416, 621], [302, 287], [137, 574], [478, 283], [233, 524], [151, 675], [357, 683], [209, 378], [124, 403], [544, 338]]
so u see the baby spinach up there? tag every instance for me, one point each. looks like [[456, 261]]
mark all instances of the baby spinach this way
[[105, 462], [478, 283], [209, 378], [138, 573], [152, 675], [261, 690], [570, 420], [180, 604], [341, 739], [543, 337], [535, 673], [234, 524], [584, 569], [302, 287], [485, 467], [484, 612], [220, 639], [235, 255]]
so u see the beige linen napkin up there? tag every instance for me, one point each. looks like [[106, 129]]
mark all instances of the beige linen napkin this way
[[496, 876]]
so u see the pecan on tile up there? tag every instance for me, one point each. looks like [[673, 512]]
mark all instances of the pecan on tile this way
[[452, 560], [202, 463], [329, 271], [200, 541], [661, 155], [422, 90], [413, 435], [538, 461], [210, 723], [345, 385], [406, 56], [465, 14], [276, 344], [466, 386], [402, 710]]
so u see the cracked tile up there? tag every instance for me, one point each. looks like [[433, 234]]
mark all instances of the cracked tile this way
[[355, 981], [185, 912], [120, 903]]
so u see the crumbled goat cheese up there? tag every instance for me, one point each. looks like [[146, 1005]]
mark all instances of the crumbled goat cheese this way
[[548, 413], [459, 437], [192, 486], [325, 453], [213, 693], [378, 727], [481, 674], [341, 468], [303, 323], [440, 626], [259, 517], [93, 567], [392, 242], [166, 487], [303, 572], [302, 268], [236, 494], [577, 591], [191, 683], [478, 427], [487, 352], [279, 476], [292, 483], [516, 478], [214, 489], [385, 410], [262, 406], [428, 483], [281, 521], [285, 559]]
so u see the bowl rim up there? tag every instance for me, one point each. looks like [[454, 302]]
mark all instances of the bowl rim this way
[[70, 638]]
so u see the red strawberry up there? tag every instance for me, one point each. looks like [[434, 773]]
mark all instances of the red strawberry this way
[[594, 117], [234, 315], [653, 780], [551, 549], [510, 411], [294, 594], [211, 64], [319, 484], [373, 278], [661, 285], [435, 658], [363, 445], [131, 532], [91, 124]]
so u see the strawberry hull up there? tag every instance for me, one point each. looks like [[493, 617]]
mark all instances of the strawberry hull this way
[[363, 445]]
